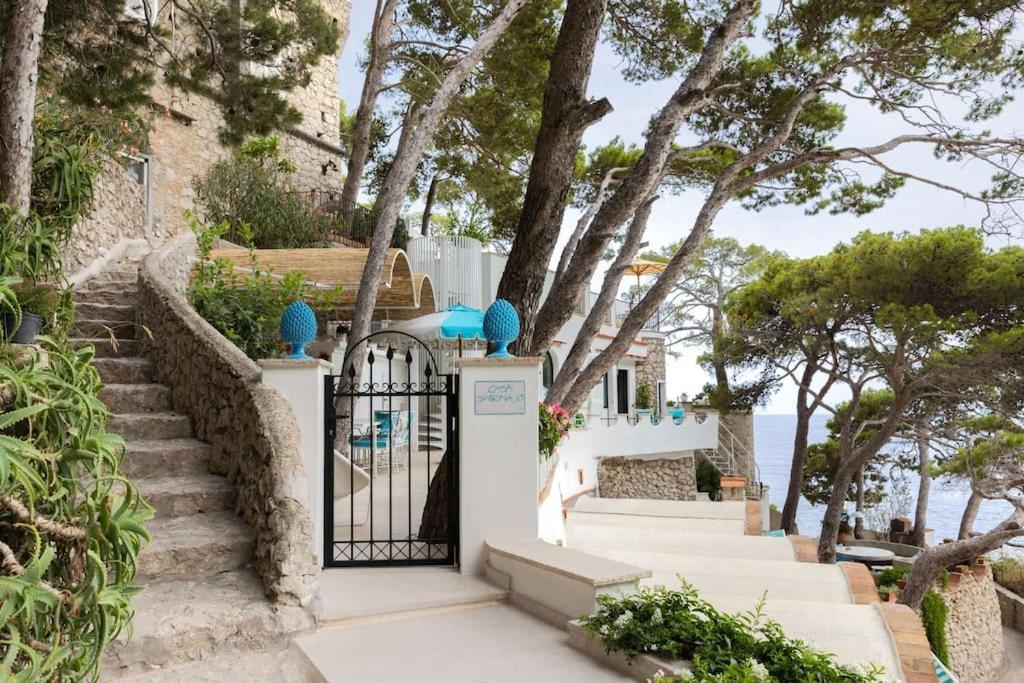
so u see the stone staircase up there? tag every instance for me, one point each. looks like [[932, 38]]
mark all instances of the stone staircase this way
[[202, 599]]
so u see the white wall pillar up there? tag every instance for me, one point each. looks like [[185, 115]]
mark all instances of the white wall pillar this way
[[301, 382], [498, 450]]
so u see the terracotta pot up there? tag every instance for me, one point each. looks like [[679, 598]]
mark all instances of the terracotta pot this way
[[902, 583], [889, 597], [954, 579]]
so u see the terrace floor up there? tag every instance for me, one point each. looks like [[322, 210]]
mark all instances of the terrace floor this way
[[492, 643]]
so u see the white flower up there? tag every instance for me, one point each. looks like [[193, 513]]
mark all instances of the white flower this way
[[685, 675], [623, 618], [604, 629], [656, 616], [759, 670]]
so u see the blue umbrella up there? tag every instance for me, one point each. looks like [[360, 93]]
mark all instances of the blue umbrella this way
[[449, 324]]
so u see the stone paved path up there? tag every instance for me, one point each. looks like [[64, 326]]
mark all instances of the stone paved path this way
[[1015, 653]]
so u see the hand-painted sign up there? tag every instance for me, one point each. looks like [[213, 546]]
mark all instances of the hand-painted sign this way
[[499, 398]]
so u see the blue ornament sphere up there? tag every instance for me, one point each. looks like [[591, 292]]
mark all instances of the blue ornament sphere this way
[[298, 328], [501, 327]]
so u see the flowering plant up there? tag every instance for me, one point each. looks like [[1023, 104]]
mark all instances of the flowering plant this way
[[554, 423], [723, 648]]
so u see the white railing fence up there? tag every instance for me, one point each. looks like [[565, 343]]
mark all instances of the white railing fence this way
[[454, 265]]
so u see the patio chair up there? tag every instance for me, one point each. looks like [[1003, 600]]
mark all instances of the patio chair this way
[[384, 445], [350, 480]]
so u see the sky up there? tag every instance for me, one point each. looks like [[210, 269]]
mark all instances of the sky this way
[[783, 228]]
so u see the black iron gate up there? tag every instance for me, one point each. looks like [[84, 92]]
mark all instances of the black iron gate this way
[[391, 457]]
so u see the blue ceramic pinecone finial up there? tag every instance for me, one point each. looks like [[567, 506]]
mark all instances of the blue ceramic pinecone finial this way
[[298, 328], [501, 327]]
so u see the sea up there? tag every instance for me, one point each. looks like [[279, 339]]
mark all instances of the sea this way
[[773, 448]]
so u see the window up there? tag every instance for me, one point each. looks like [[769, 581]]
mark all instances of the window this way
[[622, 391], [604, 388], [548, 371]]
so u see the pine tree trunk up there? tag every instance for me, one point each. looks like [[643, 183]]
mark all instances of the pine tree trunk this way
[[833, 514], [648, 304], [858, 520], [380, 41], [598, 313], [19, 74], [435, 519], [634, 189], [970, 514], [566, 113], [428, 207], [717, 333], [923, 489], [799, 460], [930, 563], [396, 184]]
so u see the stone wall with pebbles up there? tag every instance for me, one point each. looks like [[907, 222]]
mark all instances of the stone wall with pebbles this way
[[974, 628], [118, 213], [662, 478], [250, 426]]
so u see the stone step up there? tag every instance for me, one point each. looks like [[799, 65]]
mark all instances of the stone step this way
[[187, 494], [146, 458], [107, 347], [117, 312], [122, 273], [151, 426], [101, 329], [122, 296], [195, 546], [190, 619], [124, 370], [136, 398]]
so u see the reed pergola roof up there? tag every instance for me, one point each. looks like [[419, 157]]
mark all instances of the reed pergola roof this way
[[403, 294]]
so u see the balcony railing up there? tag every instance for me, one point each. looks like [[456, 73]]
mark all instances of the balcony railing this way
[[349, 223]]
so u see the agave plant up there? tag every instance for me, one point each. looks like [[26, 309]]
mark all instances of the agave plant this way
[[71, 526]]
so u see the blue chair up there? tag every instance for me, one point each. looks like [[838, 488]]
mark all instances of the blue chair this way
[[382, 446]]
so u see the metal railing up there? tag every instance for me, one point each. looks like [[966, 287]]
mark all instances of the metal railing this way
[[349, 223]]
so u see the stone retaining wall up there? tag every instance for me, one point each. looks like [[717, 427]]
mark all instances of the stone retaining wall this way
[[250, 426], [659, 479], [118, 213], [1011, 607], [974, 629]]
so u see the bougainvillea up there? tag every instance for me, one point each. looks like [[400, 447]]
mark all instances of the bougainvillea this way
[[554, 423]]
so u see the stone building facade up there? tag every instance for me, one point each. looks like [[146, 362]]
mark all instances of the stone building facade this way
[[184, 143], [184, 137], [652, 368]]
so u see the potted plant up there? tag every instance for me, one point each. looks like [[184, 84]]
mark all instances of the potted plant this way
[[675, 411], [888, 593], [644, 402], [39, 304]]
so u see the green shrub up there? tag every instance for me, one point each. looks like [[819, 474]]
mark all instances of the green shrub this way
[[644, 400], [245, 308], [251, 190], [1008, 572], [934, 613], [892, 575], [709, 479], [678, 624]]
